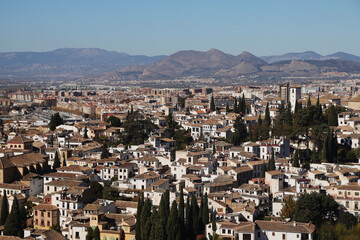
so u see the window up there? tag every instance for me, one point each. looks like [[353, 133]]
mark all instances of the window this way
[[223, 231], [273, 234], [48, 223], [284, 237], [48, 214], [356, 193]]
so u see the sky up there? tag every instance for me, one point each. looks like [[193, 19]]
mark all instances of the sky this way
[[152, 27]]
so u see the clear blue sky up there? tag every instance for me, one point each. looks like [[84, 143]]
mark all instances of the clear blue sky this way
[[262, 27]]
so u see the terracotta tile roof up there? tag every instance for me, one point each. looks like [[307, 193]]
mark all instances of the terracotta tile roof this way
[[45, 206], [28, 159], [6, 163], [286, 227], [20, 139]]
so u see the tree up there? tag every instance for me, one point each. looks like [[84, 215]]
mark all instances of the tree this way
[[227, 107], [288, 208], [136, 129], [267, 120], [263, 170], [13, 225], [189, 220], [86, 132], [90, 234], [104, 151], [296, 160], [288, 115], [97, 187], [173, 226], [240, 133], [181, 214], [164, 213], [272, 161], [212, 103], [308, 101], [348, 219], [57, 163], [145, 219], [4, 209], [122, 234], [97, 234], [195, 212], [317, 208], [55, 121], [236, 109], [242, 104], [205, 213], [332, 116], [114, 121], [138, 215]]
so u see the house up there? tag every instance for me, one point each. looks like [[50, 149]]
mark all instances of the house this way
[[142, 181], [45, 216]]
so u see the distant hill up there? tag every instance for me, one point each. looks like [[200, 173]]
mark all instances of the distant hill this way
[[214, 63], [310, 55], [68, 62], [194, 63], [98, 64]]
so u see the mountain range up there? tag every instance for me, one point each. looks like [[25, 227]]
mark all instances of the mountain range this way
[[68, 62], [95, 63], [310, 55], [214, 63]]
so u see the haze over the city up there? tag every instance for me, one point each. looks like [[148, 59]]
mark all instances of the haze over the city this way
[[163, 27]]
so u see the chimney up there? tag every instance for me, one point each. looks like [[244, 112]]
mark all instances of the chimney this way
[[294, 224]]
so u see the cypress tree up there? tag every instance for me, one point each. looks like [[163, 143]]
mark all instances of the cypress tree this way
[[138, 217], [189, 220], [195, 212], [173, 226], [200, 217], [57, 163], [154, 220], [259, 122], [205, 213], [64, 160], [122, 234], [242, 104], [325, 150], [236, 110], [296, 159], [272, 160], [104, 151], [212, 103], [90, 234], [227, 107], [267, 119], [164, 213], [332, 116], [263, 170], [213, 225], [145, 219], [97, 234], [4, 209], [181, 213], [85, 132], [13, 225], [309, 101], [288, 115], [296, 107]]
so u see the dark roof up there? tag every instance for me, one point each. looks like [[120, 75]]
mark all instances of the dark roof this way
[[6, 163]]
